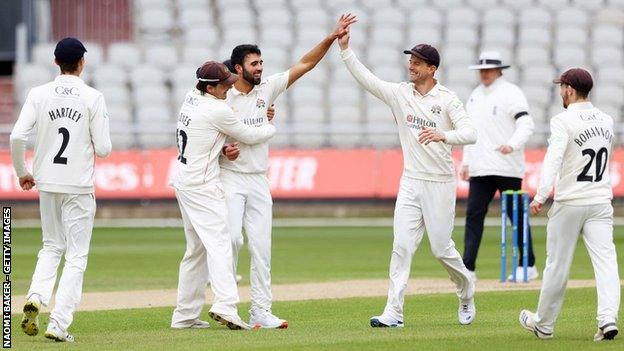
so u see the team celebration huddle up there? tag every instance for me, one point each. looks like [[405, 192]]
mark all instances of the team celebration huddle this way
[[223, 131]]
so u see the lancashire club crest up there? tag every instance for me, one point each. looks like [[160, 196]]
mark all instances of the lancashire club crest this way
[[260, 103]]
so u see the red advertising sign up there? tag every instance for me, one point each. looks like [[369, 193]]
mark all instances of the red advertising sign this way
[[293, 174]]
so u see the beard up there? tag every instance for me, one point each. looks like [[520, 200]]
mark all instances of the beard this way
[[248, 76]]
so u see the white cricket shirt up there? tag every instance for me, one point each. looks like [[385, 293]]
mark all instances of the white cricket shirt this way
[[500, 113], [251, 109], [203, 124], [72, 125], [578, 157], [440, 108]]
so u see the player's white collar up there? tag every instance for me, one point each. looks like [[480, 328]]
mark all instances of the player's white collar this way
[[433, 92], [68, 78], [580, 106]]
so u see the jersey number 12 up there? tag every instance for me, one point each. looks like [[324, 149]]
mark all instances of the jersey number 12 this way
[[601, 157], [181, 139]]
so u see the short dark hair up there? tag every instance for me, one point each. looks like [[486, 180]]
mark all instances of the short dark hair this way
[[228, 64], [581, 92], [239, 53], [68, 67]]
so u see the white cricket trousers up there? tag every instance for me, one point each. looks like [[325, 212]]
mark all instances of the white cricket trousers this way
[[250, 206], [208, 248], [66, 225], [424, 206], [565, 223]]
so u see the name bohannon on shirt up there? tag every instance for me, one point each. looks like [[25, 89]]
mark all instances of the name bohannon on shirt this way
[[592, 132], [65, 112]]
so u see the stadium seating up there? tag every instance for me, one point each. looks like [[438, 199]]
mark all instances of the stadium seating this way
[[144, 81]]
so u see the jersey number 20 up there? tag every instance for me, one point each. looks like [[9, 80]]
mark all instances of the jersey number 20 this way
[[601, 157]]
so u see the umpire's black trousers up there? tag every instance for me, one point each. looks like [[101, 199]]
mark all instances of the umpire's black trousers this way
[[480, 194]]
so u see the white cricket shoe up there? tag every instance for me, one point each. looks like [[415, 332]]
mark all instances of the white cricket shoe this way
[[606, 332], [385, 321], [527, 321], [196, 324], [267, 320], [233, 322], [532, 273], [466, 312], [30, 321], [238, 278], [54, 332]]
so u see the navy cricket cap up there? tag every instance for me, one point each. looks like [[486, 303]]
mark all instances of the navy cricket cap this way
[[425, 52], [69, 50]]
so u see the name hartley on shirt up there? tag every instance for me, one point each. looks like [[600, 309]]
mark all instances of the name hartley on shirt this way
[[65, 112]]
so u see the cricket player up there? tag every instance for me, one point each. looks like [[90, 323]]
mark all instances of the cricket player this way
[[579, 150], [71, 129], [246, 185], [203, 124], [430, 119], [500, 112]]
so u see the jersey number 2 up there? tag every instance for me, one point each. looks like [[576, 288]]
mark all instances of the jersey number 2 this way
[[58, 158], [182, 139], [601, 157]]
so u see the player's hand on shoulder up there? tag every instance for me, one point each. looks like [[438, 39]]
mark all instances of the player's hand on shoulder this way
[[505, 149], [428, 135], [231, 151], [535, 207], [27, 182], [271, 113]]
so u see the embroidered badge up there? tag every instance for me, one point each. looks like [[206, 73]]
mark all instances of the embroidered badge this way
[[260, 103], [436, 109]]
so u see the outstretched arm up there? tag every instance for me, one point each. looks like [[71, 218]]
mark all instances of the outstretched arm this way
[[314, 56], [380, 88]]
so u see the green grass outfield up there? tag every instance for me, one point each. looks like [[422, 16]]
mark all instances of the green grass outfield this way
[[431, 324], [130, 259], [133, 259]]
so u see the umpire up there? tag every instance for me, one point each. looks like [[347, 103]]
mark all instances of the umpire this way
[[499, 111]]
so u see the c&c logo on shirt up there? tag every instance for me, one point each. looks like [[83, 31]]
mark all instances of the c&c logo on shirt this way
[[260, 103], [191, 101], [60, 90]]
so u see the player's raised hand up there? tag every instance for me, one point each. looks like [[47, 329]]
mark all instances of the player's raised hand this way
[[231, 151], [428, 135], [27, 182], [342, 26], [271, 113], [535, 207]]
